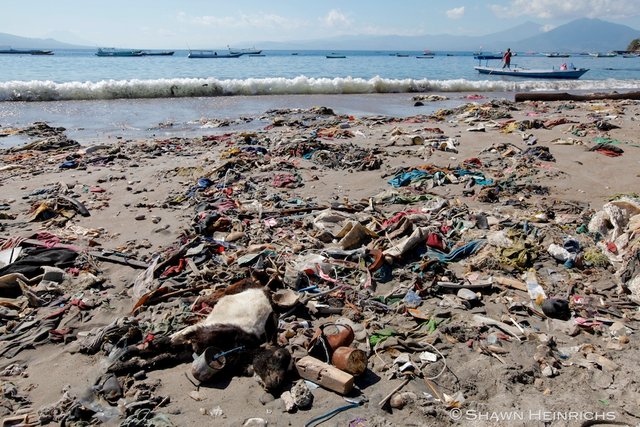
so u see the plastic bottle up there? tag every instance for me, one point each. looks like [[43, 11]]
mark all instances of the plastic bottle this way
[[536, 293]]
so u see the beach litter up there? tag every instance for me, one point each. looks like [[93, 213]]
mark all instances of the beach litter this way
[[311, 260]]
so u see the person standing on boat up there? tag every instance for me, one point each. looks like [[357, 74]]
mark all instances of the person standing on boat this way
[[506, 59]]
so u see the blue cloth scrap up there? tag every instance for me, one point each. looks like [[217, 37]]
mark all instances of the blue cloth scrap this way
[[458, 253], [482, 181], [406, 178]]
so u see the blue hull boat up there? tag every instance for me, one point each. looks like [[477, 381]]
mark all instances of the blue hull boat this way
[[251, 51], [212, 54], [487, 57], [158, 53], [26, 52], [533, 74], [123, 53]]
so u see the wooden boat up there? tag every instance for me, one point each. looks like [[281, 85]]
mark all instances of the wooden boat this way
[[158, 53], [487, 56], [557, 55], [212, 54], [424, 57], [402, 55], [250, 51], [25, 52], [604, 55], [335, 56], [534, 74], [112, 52]]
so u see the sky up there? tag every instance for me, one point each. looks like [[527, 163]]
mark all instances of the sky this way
[[202, 24]]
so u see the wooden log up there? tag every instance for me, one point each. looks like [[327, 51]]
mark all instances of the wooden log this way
[[510, 283], [563, 96], [327, 376]]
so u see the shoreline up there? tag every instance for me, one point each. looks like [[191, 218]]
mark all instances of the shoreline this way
[[137, 193], [99, 121]]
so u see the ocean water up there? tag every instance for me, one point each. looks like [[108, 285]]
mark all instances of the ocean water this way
[[98, 98], [80, 75]]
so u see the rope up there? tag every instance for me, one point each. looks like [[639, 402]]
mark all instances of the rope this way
[[325, 417]]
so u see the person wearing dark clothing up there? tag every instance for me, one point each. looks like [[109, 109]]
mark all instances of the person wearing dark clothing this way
[[506, 59]]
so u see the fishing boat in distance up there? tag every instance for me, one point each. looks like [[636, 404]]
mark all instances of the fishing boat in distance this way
[[157, 52], [335, 56], [487, 56], [570, 73], [557, 55], [250, 51], [113, 52], [424, 56], [10, 51], [604, 55], [211, 54]]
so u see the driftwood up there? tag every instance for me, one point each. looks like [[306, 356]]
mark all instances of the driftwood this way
[[563, 96], [329, 377]]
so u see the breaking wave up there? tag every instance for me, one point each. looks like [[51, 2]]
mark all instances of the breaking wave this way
[[39, 90]]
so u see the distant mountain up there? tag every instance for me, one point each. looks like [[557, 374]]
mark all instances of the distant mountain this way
[[583, 35], [500, 39], [69, 37], [576, 36], [17, 42]]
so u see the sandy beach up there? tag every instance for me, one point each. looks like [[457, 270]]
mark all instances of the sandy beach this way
[[485, 186]]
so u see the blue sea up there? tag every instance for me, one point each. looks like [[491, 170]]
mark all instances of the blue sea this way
[[79, 74], [129, 93]]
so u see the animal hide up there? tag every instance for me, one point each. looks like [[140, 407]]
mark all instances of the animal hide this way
[[236, 319], [272, 365]]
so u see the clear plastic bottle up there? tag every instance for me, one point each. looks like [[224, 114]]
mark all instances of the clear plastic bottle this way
[[536, 293]]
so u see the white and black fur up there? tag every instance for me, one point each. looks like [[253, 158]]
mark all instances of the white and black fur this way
[[236, 319]]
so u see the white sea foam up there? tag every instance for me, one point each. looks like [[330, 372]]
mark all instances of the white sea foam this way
[[39, 90]]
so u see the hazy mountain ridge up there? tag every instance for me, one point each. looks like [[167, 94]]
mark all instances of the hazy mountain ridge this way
[[576, 36], [584, 35], [18, 42]]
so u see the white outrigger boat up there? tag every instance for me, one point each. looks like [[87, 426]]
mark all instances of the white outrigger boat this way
[[570, 73]]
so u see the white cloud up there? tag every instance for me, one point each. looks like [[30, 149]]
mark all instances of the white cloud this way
[[335, 18], [547, 28], [568, 9], [456, 13]]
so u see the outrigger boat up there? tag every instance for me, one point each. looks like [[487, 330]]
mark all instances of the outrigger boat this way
[[604, 55], [250, 51], [211, 54], [158, 53], [570, 73], [26, 52], [109, 51], [486, 56]]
